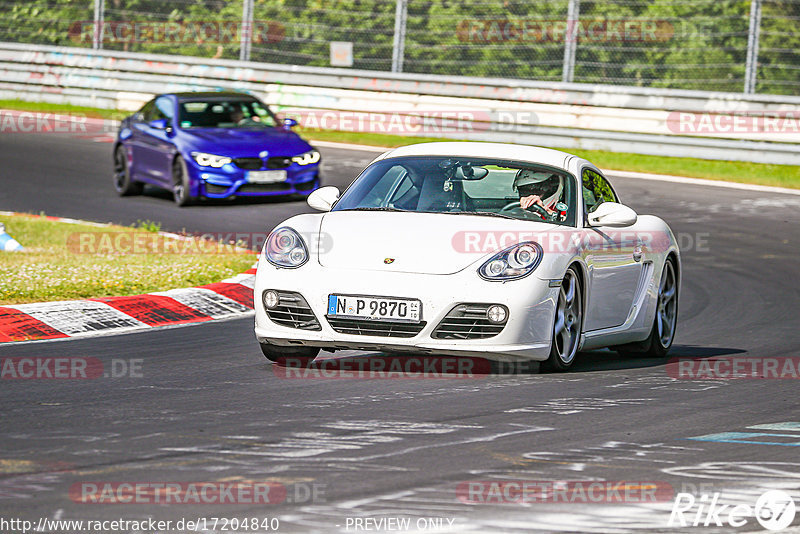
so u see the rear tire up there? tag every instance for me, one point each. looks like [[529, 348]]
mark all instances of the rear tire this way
[[568, 323], [123, 183], [662, 333], [276, 354], [180, 183]]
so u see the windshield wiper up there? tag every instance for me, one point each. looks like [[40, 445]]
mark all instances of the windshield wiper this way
[[482, 214]]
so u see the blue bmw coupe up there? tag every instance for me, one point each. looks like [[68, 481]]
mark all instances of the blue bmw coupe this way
[[212, 145]]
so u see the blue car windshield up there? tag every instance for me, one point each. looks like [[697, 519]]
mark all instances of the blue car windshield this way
[[219, 113], [464, 185]]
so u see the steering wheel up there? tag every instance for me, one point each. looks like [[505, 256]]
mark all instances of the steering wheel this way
[[514, 206]]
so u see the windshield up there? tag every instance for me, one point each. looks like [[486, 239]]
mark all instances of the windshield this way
[[458, 185], [220, 113]]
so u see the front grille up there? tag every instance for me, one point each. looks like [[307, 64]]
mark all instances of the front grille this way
[[375, 328], [264, 188], [467, 321], [292, 311], [249, 164], [279, 162]]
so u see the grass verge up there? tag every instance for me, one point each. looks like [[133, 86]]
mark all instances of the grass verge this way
[[733, 171], [63, 261]]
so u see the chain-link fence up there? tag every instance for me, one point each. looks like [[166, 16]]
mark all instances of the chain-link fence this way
[[716, 45]]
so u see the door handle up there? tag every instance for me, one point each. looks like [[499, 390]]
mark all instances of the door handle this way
[[637, 254]]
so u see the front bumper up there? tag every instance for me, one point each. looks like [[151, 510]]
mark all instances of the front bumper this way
[[229, 181], [526, 335]]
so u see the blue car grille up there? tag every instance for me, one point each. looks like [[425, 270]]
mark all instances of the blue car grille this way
[[278, 162], [253, 164], [248, 164]]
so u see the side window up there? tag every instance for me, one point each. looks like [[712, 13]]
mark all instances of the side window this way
[[596, 190], [163, 109], [146, 112], [381, 189]]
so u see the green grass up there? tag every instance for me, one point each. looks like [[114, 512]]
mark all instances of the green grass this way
[[24, 105], [64, 261], [734, 171]]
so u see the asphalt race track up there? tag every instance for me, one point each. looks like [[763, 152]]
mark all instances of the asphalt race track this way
[[207, 407]]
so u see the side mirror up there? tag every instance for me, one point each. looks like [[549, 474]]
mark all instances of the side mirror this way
[[612, 214], [288, 124], [323, 198], [159, 124]]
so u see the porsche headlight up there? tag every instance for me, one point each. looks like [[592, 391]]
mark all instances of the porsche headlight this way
[[512, 263], [210, 160], [307, 159], [285, 248]]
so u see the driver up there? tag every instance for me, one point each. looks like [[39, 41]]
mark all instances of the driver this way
[[237, 115], [538, 187]]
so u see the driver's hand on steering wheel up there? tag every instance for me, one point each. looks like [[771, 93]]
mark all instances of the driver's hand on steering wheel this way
[[527, 202]]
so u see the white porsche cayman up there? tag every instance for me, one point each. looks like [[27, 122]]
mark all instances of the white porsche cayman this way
[[469, 249]]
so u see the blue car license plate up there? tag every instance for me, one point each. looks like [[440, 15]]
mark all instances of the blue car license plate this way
[[266, 177]]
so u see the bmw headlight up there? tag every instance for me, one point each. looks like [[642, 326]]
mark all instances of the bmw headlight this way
[[512, 263], [210, 160], [307, 159], [285, 248]]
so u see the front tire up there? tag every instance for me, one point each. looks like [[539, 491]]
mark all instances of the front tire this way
[[276, 354], [568, 323], [662, 333], [123, 183], [180, 183]]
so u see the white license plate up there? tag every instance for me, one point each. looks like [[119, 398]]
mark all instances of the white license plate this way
[[374, 308], [266, 177]]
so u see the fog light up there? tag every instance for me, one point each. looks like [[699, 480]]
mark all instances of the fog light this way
[[496, 314], [271, 299]]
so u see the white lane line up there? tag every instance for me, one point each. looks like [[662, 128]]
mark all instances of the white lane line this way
[[621, 174]]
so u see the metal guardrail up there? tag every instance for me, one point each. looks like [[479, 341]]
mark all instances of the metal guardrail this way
[[621, 119]]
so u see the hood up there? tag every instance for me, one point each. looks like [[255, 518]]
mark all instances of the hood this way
[[429, 243], [239, 142]]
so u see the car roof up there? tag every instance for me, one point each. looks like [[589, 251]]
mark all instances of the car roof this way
[[210, 95], [506, 151]]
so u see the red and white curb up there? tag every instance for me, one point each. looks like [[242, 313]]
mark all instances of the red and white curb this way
[[230, 298], [42, 321]]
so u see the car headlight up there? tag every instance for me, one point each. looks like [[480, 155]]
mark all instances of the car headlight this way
[[210, 160], [307, 159], [285, 248], [512, 263]]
